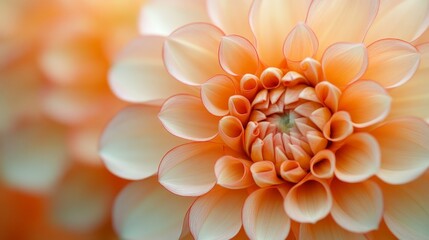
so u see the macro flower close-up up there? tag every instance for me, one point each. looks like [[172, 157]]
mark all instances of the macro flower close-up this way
[[273, 119]]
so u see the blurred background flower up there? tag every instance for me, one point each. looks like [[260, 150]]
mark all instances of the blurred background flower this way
[[54, 103]]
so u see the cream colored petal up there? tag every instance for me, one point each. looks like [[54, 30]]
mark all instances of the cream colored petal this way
[[216, 92], [185, 116], [217, 215], [358, 158], [233, 173], [406, 209], [391, 62], [281, 16], [231, 16], [344, 63], [191, 53], [153, 18], [188, 170], [327, 229], [33, 157], [264, 216], [139, 74], [146, 210], [367, 102], [308, 201], [412, 98], [404, 145], [405, 26], [300, 43], [340, 21], [134, 142], [237, 55], [358, 207]]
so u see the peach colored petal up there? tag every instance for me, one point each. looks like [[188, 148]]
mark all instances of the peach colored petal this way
[[264, 173], [327, 229], [312, 69], [188, 170], [233, 173], [316, 141], [134, 142], [329, 94], [234, 47], [232, 132], [412, 98], [391, 62], [424, 38], [404, 145], [358, 158], [231, 16], [271, 77], [249, 85], [140, 203], [308, 201], [340, 21], [407, 29], [264, 216], [338, 127], [358, 207], [33, 157], [216, 92], [185, 116], [382, 232], [281, 16], [139, 74], [191, 53], [406, 209], [367, 102], [320, 117], [239, 107], [344, 63], [300, 43], [217, 215], [291, 171], [153, 20], [322, 165]]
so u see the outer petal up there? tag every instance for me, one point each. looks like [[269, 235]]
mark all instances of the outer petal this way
[[412, 98], [217, 215], [188, 170], [234, 47], [366, 102], [185, 116], [340, 21], [134, 142], [264, 216], [391, 62], [327, 229], [407, 210], [404, 145], [344, 63], [231, 16], [300, 43], [139, 74], [308, 201], [145, 210], [281, 16], [406, 28], [357, 207], [358, 158], [153, 14], [191, 53], [33, 157]]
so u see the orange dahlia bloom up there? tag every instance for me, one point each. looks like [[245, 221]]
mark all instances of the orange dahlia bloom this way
[[273, 119]]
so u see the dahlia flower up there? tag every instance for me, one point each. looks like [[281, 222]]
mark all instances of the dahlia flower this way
[[273, 120]]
